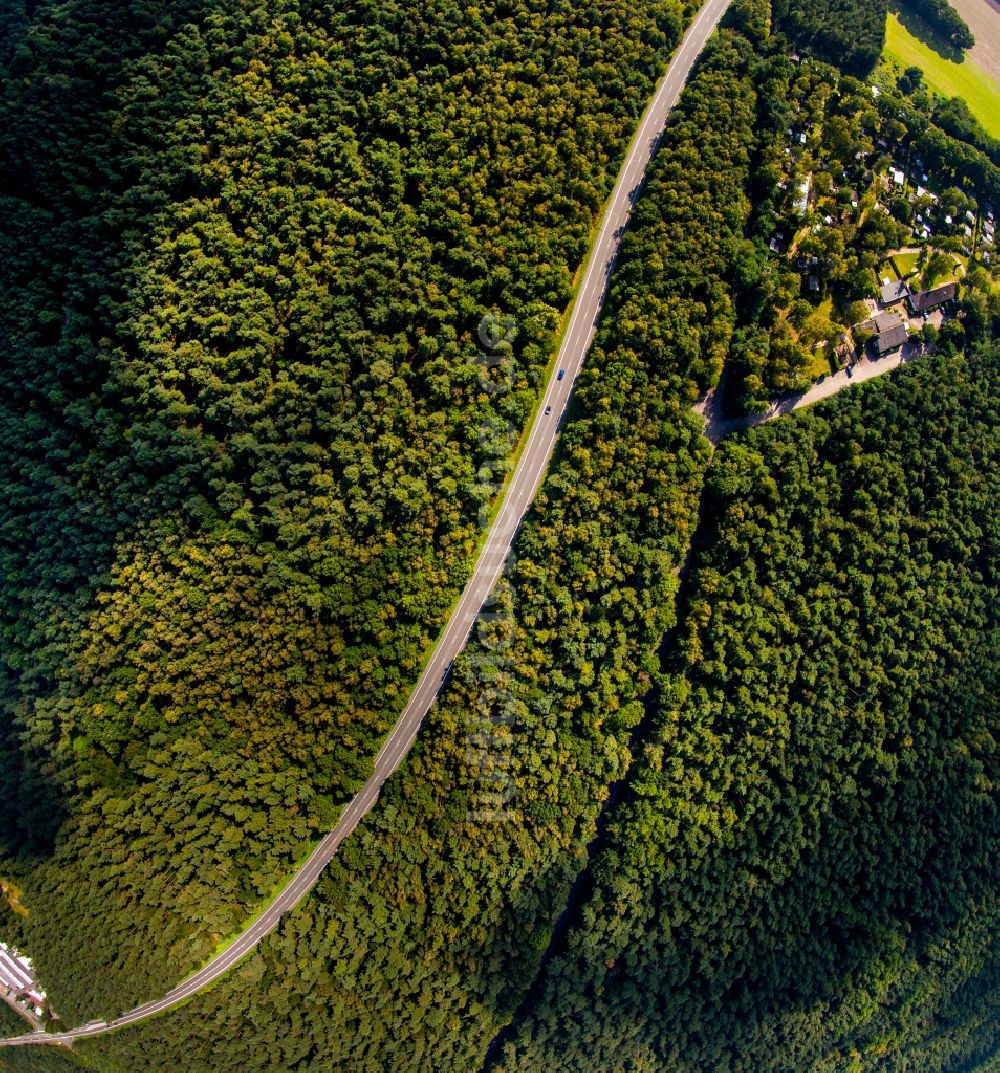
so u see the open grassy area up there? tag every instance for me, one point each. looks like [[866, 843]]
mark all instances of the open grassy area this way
[[965, 80], [905, 264]]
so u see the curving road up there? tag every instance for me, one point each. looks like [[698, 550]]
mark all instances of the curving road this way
[[524, 483]]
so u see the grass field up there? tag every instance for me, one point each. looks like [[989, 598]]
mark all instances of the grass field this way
[[965, 80], [902, 265], [905, 263]]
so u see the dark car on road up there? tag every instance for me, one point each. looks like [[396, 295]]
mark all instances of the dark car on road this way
[[562, 373]]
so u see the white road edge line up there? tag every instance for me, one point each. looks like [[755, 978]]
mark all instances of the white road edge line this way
[[524, 481]]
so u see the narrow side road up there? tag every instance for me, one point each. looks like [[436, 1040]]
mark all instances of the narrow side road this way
[[717, 426], [524, 483]]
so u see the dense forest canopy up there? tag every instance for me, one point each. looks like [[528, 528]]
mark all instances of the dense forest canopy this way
[[749, 828], [411, 954], [248, 444], [802, 874], [848, 33], [945, 19]]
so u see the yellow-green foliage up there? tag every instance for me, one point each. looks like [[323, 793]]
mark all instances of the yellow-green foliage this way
[[246, 445]]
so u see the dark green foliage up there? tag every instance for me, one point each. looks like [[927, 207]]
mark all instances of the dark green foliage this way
[[244, 250], [10, 1023], [424, 934], [945, 19], [671, 297], [803, 874], [30, 1059], [848, 33], [789, 879], [955, 119], [954, 150], [39, 1060], [910, 80], [979, 308]]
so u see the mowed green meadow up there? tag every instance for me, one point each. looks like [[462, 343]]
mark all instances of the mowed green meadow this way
[[942, 76]]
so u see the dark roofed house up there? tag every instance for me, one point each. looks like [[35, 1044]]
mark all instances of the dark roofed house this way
[[894, 292], [880, 323], [925, 301], [891, 340]]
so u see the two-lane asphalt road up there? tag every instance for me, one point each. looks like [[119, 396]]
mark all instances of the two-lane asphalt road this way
[[521, 491]]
